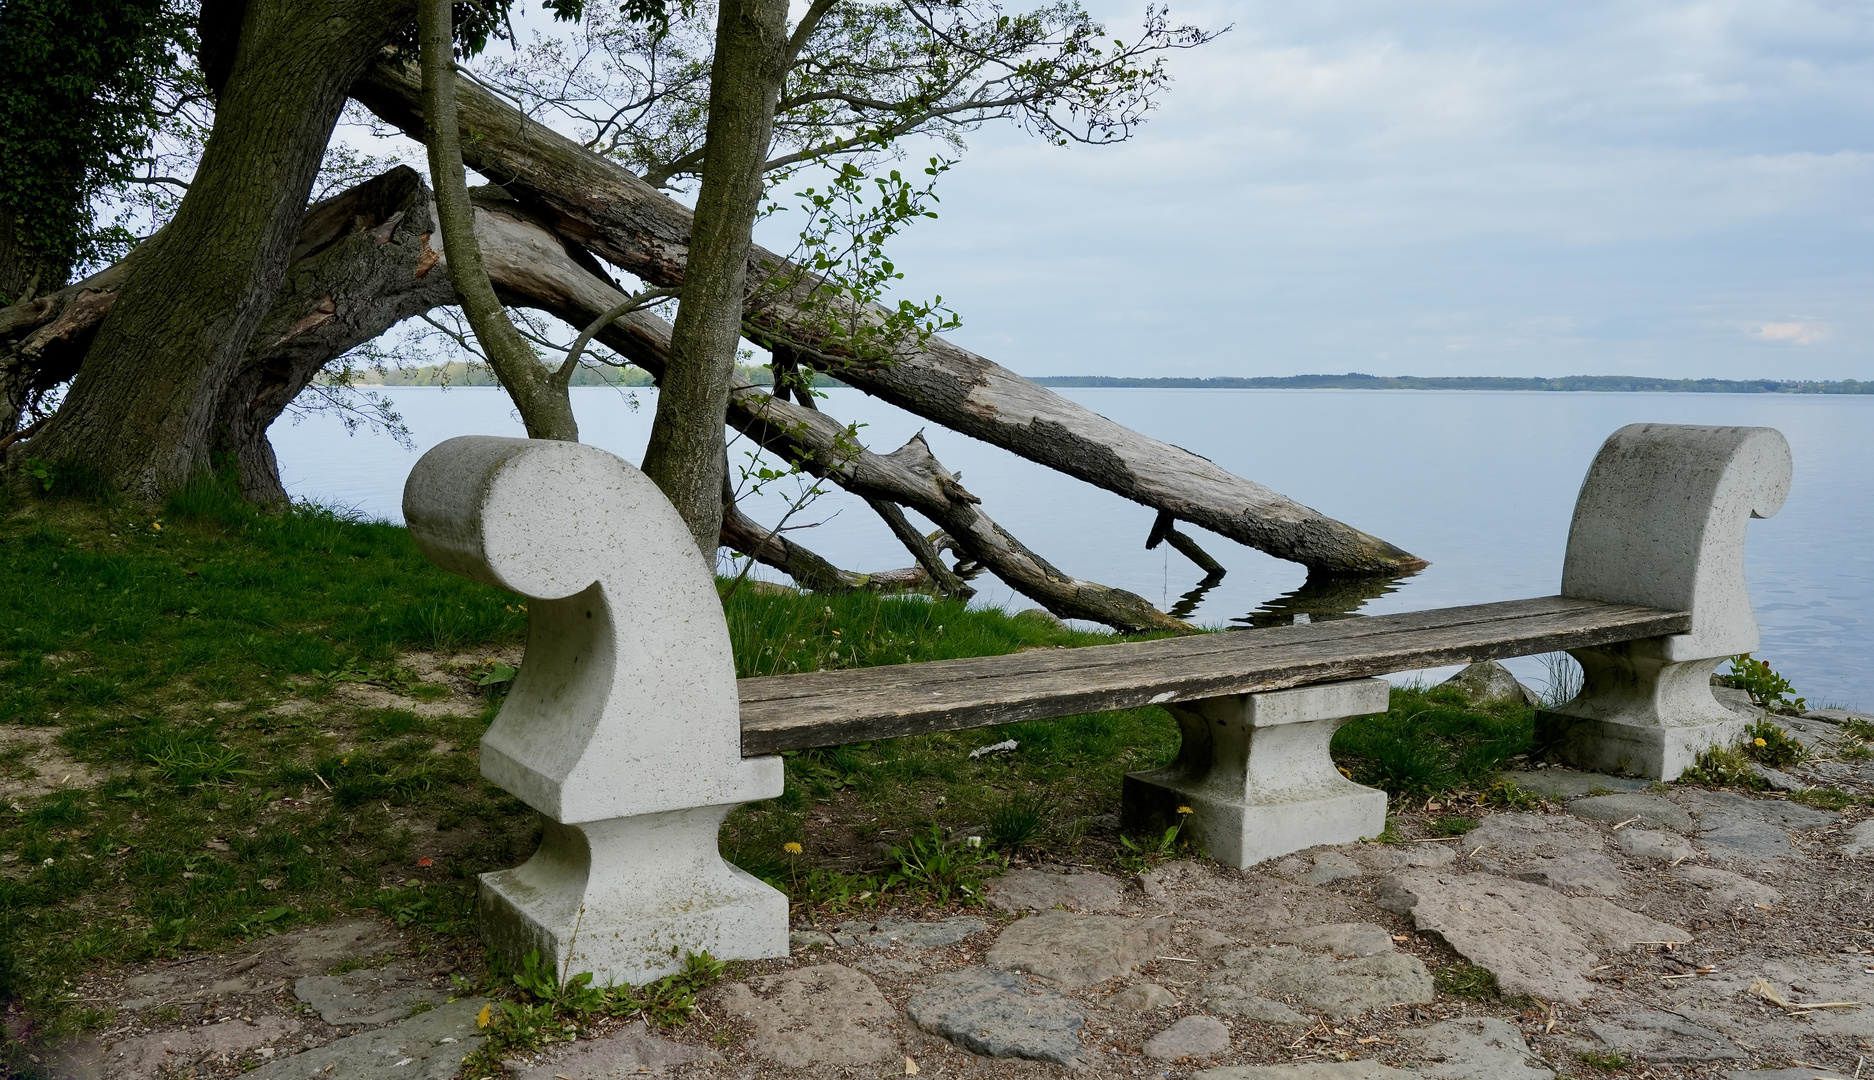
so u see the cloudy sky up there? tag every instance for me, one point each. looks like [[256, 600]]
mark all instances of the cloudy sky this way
[[1467, 187]]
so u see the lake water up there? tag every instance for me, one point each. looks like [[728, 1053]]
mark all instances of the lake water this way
[[1481, 483]]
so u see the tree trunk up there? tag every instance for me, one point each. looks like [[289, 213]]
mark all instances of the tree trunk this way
[[637, 228], [141, 412], [684, 455], [538, 394]]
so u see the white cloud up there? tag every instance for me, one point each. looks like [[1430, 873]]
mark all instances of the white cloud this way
[[1796, 333]]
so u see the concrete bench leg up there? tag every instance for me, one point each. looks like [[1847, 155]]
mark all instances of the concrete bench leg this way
[[1255, 772], [630, 896], [623, 727], [1660, 523]]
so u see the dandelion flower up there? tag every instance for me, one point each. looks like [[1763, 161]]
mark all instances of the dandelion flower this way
[[482, 1018], [1185, 810], [1760, 742], [791, 847]]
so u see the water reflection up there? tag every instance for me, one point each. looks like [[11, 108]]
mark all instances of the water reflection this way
[[1320, 597], [1187, 604]]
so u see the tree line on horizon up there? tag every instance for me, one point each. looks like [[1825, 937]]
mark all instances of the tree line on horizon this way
[[1358, 381]]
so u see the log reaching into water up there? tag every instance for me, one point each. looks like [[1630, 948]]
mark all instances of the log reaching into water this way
[[624, 220]]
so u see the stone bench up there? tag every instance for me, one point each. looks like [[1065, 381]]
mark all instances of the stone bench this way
[[627, 730]]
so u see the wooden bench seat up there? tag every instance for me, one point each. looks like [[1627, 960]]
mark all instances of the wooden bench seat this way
[[629, 733], [831, 708]]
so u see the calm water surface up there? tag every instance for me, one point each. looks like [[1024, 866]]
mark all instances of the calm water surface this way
[[1480, 483]]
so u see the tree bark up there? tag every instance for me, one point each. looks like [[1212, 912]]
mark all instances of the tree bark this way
[[538, 394], [684, 455], [142, 410], [624, 220]]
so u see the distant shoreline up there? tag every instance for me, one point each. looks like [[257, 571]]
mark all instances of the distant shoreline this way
[[1566, 383]]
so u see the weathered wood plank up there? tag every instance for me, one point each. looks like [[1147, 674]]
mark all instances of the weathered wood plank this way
[[813, 684], [831, 708]]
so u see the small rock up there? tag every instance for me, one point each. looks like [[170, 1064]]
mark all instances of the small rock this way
[[1338, 988], [1041, 613], [1193, 1036], [1145, 997], [368, 996], [1577, 872], [1307, 1070], [1533, 939], [908, 933], [314, 950], [1078, 950], [1777, 779], [631, 1049], [1487, 681], [827, 1014], [1662, 1037], [428, 1046], [1730, 890], [1153, 889], [1860, 839], [1245, 1006], [1332, 866], [1652, 844], [1649, 810], [1044, 888], [147, 1055], [807, 939], [1545, 835], [1572, 783], [1476, 1048], [1000, 1015], [1341, 939]]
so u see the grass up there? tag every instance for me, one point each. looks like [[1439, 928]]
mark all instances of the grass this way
[[1432, 740], [253, 692], [204, 662]]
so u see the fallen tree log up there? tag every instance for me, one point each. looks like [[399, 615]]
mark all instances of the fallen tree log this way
[[621, 218], [529, 266]]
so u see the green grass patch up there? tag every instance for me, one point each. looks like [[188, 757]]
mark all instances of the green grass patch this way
[[1466, 981], [1431, 740]]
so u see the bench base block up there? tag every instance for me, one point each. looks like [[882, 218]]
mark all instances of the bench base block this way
[[625, 899], [1642, 710], [1254, 773], [1649, 750], [1242, 834]]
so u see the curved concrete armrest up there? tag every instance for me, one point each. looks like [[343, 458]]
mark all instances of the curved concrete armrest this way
[[1660, 522], [626, 703]]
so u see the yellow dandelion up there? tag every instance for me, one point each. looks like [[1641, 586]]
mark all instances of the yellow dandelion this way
[[1185, 810], [791, 848], [1760, 742], [482, 1018]]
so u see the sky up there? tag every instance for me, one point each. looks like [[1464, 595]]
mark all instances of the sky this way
[[1444, 187]]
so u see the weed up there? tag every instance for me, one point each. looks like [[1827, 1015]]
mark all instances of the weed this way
[[549, 1007], [1454, 825], [1860, 729], [1466, 981], [1766, 688], [936, 870], [1020, 820], [1722, 766], [1828, 798], [1609, 1062], [1771, 745], [1509, 795], [1136, 858]]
